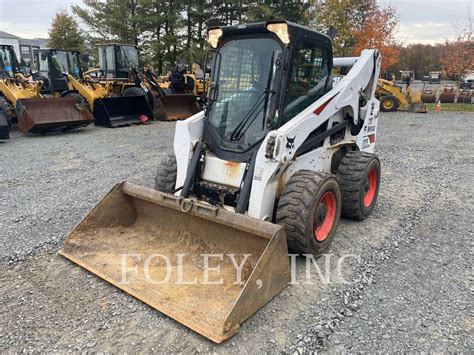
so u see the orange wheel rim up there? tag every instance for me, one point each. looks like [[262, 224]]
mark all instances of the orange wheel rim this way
[[324, 216], [370, 188]]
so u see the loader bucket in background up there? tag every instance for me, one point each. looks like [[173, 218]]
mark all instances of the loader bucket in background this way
[[417, 107], [52, 114], [120, 111], [176, 107], [133, 239]]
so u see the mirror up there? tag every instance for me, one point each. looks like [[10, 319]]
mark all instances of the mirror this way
[[43, 56]]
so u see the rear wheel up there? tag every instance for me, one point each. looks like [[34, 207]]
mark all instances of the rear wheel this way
[[133, 91], [7, 109], [309, 209], [359, 175], [165, 180], [389, 103]]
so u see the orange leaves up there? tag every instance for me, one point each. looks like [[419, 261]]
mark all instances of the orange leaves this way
[[378, 31], [457, 57]]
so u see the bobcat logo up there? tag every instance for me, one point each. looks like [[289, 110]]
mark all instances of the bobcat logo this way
[[290, 142]]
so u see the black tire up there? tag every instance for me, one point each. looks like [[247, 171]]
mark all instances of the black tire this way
[[389, 103], [165, 180], [359, 190], [303, 211], [7, 109], [133, 91]]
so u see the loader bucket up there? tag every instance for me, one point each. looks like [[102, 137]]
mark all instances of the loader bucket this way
[[175, 107], [155, 246], [121, 111], [417, 107], [52, 114]]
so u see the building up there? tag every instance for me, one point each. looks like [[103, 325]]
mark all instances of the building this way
[[27, 46], [12, 40], [23, 47]]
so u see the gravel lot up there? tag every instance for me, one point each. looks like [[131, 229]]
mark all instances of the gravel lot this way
[[407, 288]]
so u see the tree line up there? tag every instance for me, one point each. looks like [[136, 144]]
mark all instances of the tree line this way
[[172, 32]]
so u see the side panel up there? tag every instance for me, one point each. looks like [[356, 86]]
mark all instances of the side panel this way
[[187, 134], [360, 81]]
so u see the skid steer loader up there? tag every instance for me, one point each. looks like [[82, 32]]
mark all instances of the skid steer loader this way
[[393, 98], [277, 156], [21, 100]]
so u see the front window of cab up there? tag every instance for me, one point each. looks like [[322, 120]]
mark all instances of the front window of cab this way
[[127, 57], [60, 63], [244, 72], [6, 62]]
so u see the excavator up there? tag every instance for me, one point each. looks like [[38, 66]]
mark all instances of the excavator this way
[[62, 76], [280, 153], [21, 100], [393, 98]]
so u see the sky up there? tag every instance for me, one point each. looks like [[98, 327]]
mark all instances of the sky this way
[[421, 21]]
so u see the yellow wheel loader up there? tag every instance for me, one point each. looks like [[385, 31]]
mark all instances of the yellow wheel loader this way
[[393, 98], [21, 100], [277, 157], [62, 75], [120, 65]]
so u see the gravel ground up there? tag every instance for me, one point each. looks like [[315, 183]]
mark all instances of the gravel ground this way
[[408, 286]]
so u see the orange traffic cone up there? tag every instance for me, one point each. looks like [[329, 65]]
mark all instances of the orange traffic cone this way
[[438, 106]]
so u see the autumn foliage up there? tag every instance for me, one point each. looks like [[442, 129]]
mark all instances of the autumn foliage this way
[[378, 31], [457, 57]]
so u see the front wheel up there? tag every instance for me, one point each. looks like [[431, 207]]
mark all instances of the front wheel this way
[[309, 209], [389, 103]]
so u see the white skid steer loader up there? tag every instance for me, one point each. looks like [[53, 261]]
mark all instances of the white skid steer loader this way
[[277, 156]]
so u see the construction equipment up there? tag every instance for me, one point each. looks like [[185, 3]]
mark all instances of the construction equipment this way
[[196, 81], [253, 171], [21, 99], [392, 98], [119, 65], [466, 92], [62, 75], [448, 94], [4, 126], [428, 96]]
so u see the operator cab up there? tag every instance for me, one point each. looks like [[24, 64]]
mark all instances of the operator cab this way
[[9, 65], [115, 60], [53, 65], [263, 75]]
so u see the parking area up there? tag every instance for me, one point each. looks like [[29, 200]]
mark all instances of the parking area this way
[[407, 288]]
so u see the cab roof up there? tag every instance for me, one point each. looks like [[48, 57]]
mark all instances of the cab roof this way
[[295, 30]]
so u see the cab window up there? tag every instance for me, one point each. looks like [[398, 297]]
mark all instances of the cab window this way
[[308, 78]]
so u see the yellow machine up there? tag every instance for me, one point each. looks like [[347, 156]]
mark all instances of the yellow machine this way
[[195, 81], [62, 74], [392, 98], [120, 66], [22, 99]]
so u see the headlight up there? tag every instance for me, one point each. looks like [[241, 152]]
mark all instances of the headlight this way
[[281, 30], [213, 37]]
